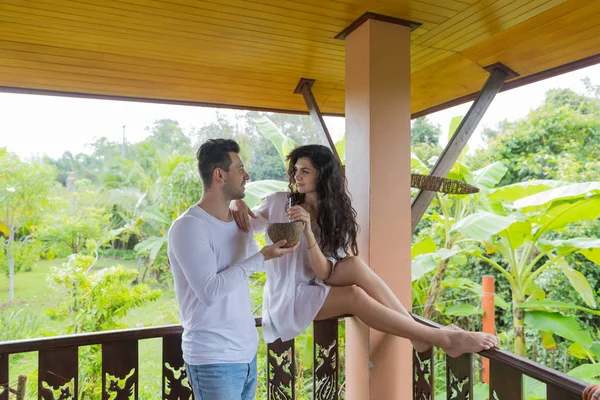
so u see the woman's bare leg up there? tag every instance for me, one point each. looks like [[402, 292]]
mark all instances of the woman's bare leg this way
[[353, 271], [354, 300]]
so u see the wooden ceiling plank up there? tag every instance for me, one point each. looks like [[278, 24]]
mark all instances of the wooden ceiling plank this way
[[355, 9], [158, 73], [509, 16], [149, 86], [241, 87], [127, 61], [549, 19], [551, 32], [186, 44], [100, 45], [170, 20]]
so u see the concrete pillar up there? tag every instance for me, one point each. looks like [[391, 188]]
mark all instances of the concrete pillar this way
[[379, 367]]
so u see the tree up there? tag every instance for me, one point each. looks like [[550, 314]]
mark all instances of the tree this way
[[527, 242], [559, 140], [23, 194], [423, 131]]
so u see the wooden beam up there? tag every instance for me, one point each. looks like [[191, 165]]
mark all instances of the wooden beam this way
[[304, 87], [499, 74]]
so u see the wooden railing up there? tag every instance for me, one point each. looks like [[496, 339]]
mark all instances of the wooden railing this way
[[58, 367]]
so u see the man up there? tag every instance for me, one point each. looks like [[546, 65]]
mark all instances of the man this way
[[211, 260]]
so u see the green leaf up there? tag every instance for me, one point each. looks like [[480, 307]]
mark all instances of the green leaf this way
[[491, 175], [579, 283], [417, 166], [546, 304], [517, 233], [569, 192], [483, 225], [578, 351], [152, 246], [467, 284], [422, 264], [341, 149], [536, 292], [520, 190], [587, 373], [426, 245], [425, 263], [563, 213], [4, 229], [282, 143], [454, 123], [256, 191], [564, 326], [534, 389], [548, 340], [590, 247], [463, 310]]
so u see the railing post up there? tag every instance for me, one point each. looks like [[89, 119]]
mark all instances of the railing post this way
[[4, 376], [459, 377], [281, 370], [175, 382], [506, 383], [120, 370], [325, 360], [423, 375], [57, 373], [555, 393]]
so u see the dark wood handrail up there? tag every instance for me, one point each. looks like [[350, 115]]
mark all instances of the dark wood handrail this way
[[525, 366]]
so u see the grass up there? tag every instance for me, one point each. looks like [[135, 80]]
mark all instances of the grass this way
[[33, 297]]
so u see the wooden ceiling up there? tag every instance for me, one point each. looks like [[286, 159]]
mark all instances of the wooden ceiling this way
[[251, 53]]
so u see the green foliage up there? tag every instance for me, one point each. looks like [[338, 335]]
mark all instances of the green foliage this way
[[96, 299], [23, 196], [19, 324], [423, 131], [559, 140]]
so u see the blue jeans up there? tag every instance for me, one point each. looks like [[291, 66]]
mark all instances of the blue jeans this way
[[223, 381]]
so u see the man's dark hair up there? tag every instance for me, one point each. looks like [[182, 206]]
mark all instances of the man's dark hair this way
[[214, 154]]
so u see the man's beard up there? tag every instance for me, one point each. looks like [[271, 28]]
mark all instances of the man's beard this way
[[232, 192]]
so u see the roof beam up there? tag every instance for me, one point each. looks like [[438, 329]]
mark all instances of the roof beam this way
[[304, 87], [499, 73]]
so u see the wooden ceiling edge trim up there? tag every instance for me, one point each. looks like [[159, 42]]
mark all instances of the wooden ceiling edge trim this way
[[81, 95], [515, 83], [378, 17], [549, 73]]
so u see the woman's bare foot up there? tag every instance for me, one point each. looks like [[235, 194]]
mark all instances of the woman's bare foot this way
[[422, 347], [461, 342]]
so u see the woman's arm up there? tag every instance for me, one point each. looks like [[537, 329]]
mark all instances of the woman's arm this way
[[321, 266]]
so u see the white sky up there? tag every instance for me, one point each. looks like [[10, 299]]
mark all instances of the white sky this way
[[33, 125]]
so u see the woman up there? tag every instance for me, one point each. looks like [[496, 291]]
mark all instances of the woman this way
[[324, 278]]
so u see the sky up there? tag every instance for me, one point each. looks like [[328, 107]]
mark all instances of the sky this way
[[33, 125]]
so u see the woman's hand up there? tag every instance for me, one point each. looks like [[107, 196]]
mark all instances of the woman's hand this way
[[241, 211], [299, 214]]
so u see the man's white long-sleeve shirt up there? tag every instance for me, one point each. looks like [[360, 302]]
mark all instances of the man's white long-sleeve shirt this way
[[211, 261]]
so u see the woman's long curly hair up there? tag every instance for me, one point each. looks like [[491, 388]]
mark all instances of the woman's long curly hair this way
[[335, 215]]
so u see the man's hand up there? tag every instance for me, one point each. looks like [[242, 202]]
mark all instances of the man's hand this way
[[276, 250], [241, 211]]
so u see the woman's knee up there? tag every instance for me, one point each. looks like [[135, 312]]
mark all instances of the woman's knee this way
[[356, 265], [355, 296]]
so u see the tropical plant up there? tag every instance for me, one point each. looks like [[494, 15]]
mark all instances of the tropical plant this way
[[520, 234]]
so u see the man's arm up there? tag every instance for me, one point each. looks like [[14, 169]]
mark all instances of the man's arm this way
[[188, 242]]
